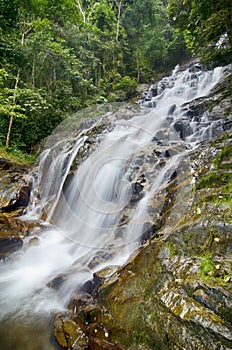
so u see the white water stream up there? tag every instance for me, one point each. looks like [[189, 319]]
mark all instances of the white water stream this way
[[82, 221]]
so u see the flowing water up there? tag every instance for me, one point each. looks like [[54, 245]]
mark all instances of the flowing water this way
[[81, 211]]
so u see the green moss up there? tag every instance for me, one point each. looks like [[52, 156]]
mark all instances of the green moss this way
[[92, 315], [213, 180], [225, 153], [220, 200], [206, 265], [171, 247], [141, 338], [188, 238], [81, 316], [208, 271], [104, 291], [225, 201], [96, 130], [153, 317]]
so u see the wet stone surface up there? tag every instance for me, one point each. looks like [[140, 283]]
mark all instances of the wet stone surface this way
[[175, 291], [14, 198]]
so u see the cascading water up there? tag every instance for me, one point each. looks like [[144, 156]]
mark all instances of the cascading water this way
[[97, 215]]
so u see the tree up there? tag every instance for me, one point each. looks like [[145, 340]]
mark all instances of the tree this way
[[25, 29], [42, 61], [58, 56], [204, 23], [153, 44], [137, 20], [9, 12]]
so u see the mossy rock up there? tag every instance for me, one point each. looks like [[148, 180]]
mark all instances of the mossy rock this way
[[67, 333], [175, 292]]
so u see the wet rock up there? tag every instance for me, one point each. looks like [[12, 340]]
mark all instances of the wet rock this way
[[33, 241], [196, 68], [13, 179], [100, 344], [183, 128], [149, 104], [12, 232], [175, 291], [161, 136], [137, 192], [57, 282], [100, 257], [106, 275], [101, 276], [20, 202], [142, 179], [166, 82], [68, 334], [166, 154], [15, 187], [137, 188], [172, 109], [5, 164], [120, 232], [88, 287], [146, 98], [149, 231], [9, 245]]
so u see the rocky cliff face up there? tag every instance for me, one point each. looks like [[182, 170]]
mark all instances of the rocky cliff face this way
[[175, 291]]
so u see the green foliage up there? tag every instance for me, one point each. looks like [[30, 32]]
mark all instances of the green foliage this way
[[206, 26], [206, 266], [171, 247], [153, 44], [60, 56], [226, 153], [212, 180], [125, 87], [9, 12], [141, 338], [16, 156]]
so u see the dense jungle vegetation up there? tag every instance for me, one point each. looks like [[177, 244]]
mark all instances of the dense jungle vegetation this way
[[58, 56]]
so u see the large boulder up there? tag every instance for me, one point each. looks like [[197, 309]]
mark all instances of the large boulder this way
[[20, 202]]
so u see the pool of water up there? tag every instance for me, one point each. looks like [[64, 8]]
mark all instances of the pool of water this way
[[27, 333]]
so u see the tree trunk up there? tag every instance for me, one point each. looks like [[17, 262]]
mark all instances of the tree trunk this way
[[81, 10], [98, 75], [14, 103], [138, 66], [15, 91], [33, 74], [119, 6]]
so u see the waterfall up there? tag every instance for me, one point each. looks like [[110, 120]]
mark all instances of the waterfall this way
[[98, 212]]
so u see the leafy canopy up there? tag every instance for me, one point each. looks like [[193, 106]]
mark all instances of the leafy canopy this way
[[207, 26]]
